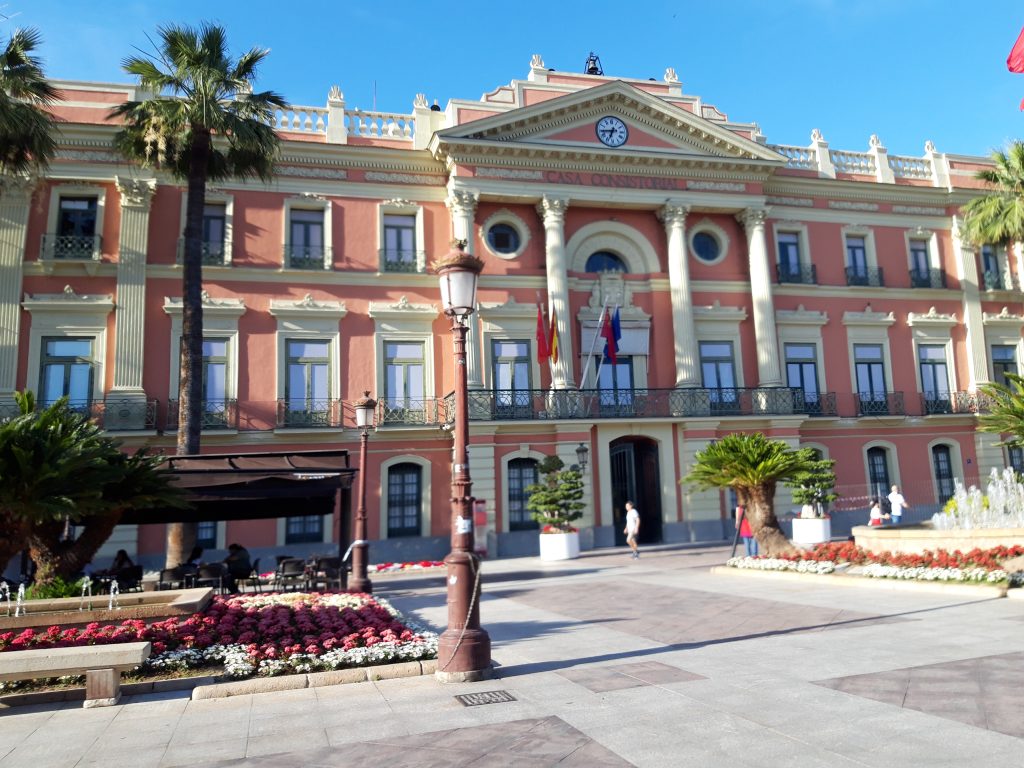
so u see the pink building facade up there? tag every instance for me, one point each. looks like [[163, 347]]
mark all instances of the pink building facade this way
[[821, 296]]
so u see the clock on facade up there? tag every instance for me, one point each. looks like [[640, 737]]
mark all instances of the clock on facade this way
[[611, 131]]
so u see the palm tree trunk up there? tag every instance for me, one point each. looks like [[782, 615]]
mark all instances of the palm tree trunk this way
[[181, 537], [764, 524]]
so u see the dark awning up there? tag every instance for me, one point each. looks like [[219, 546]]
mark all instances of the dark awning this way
[[253, 485]]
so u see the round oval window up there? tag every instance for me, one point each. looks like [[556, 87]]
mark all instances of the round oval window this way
[[503, 238], [706, 246]]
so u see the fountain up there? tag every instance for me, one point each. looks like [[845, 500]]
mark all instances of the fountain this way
[[115, 591], [5, 593], [19, 608], [86, 592]]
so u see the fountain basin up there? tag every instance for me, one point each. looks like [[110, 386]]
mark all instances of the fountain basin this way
[[915, 539], [148, 606]]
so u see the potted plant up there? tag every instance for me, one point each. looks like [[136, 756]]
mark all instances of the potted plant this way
[[813, 489], [555, 503]]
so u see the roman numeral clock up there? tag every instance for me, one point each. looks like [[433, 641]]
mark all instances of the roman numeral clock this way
[[611, 131]]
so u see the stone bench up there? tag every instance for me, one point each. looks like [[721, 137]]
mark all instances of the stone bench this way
[[102, 665]]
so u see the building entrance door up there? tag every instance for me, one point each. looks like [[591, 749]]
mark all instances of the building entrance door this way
[[635, 477]]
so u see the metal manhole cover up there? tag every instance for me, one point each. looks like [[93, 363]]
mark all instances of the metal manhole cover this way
[[487, 697]]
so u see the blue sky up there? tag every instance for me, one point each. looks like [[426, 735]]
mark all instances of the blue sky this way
[[908, 70]]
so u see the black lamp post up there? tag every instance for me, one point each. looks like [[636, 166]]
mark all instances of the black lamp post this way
[[582, 453], [464, 648], [365, 409]]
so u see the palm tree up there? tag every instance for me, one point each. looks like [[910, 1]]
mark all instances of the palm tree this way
[[26, 128], [998, 217], [1005, 409], [752, 465], [203, 123]]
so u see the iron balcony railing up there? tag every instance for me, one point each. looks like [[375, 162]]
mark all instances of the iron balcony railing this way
[[410, 411], [70, 247], [879, 403], [211, 254], [804, 273], [307, 256], [215, 414], [308, 414], [393, 260], [872, 276], [113, 414], [970, 402], [531, 404], [931, 278]]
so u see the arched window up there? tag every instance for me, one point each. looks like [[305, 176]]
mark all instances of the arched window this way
[[942, 464], [878, 475], [405, 500], [605, 261], [521, 473]]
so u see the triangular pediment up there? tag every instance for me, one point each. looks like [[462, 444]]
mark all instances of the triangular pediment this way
[[569, 123]]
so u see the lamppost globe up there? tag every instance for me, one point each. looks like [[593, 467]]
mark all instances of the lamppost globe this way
[[582, 453], [365, 409], [458, 273]]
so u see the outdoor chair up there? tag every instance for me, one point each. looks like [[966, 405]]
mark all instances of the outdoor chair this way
[[211, 576], [330, 572], [253, 579], [291, 573], [130, 579], [171, 578]]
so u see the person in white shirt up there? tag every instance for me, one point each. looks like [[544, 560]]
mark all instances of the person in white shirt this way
[[897, 504], [632, 528]]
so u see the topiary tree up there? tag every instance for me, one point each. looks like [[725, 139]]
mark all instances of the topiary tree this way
[[815, 485], [556, 501]]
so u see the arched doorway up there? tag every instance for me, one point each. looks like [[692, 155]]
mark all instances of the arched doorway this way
[[636, 478]]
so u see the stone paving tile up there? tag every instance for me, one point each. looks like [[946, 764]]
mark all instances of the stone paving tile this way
[[601, 679], [656, 673], [979, 691]]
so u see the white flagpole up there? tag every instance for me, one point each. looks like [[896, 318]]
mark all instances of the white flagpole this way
[[590, 356], [601, 361]]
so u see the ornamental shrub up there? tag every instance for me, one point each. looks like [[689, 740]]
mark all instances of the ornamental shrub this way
[[555, 502]]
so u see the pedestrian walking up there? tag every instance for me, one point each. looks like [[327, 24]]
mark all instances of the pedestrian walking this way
[[632, 528], [896, 505], [743, 525]]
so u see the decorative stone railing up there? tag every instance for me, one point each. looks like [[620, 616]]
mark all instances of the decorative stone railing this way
[[380, 125], [336, 123], [803, 158], [911, 167], [853, 162], [296, 119]]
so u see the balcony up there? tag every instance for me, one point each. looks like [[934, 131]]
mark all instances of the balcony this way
[[211, 254], [215, 414], [113, 414], [804, 274], [816, 403], [308, 414], [401, 261], [307, 257], [995, 281], [70, 247], [867, 276], [930, 278], [879, 403], [970, 402], [399, 411]]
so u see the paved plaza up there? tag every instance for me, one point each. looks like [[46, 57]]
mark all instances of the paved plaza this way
[[606, 661]]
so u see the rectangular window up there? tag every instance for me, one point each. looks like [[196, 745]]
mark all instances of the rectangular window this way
[[1015, 454], [512, 396], [308, 382], [404, 382], [206, 534], [67, 371], [718, 374], [400, 243], [802, 374], [522, 473], [405, 491], [856, 255], [789, 257], [215, 383], [943, 464], [615, 383], [306, 246], [77, 217], [1004, 361], [934, 378], [991, 274], [214, 232], [870, 371], [878, 475], [303, 529], [919, 262]]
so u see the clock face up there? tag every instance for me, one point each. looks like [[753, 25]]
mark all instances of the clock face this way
[[612, 132]]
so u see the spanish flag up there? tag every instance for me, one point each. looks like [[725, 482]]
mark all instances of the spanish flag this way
[[543, 348], [553, 344]]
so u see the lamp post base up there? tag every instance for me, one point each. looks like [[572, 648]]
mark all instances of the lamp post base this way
[[360, 585], [464, 657]]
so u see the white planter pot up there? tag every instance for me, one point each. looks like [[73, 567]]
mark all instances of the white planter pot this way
[[559, 546], [811, 530]]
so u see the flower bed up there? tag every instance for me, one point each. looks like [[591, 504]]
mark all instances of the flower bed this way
[[393, 567], [259, 635], [974, 566]]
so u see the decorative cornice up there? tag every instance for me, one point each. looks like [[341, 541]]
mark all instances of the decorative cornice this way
[[920, 210], [68, 301], [507, 309], [801, 202], [931, 317], [509, 173], [309, 172], [868, 317], [717, 313], [800, 316], [214, 307], [307, 306], [716, 186], [401, 309], [405, 178], [847, 205], [1003, 318]]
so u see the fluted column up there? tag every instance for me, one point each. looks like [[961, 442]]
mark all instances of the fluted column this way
[[462, 204], [15, 201], [130, 328], [974, 322], [768, 368], [552, 210], [684, 330]]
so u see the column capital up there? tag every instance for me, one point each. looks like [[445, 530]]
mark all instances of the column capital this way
[[135, 193], [552, 209], [673, 213], [462, 201], [751, 218]]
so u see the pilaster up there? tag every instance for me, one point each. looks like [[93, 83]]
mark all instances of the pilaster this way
[[337, 132], [130, 325], [462, 204], [883, 172], [967, 273], [824, 157], [768, 367], [684, 331], [15, 201], [552, 211]]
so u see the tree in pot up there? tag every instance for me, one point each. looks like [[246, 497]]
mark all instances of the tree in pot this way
[[556, 501], [815, 485]]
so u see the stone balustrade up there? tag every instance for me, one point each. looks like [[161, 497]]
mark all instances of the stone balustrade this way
[[861, 163], [380, 125], [911, 167], [803, 158], [296, 119]]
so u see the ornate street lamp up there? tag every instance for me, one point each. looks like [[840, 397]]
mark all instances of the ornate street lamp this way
[[582, 452], [464, 648], [365, 409]]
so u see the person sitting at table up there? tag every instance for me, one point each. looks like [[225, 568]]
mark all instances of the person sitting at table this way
[[122, 562], [238, 567]]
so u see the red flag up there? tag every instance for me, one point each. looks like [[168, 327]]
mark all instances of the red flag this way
[[1015, 61], [610, 343], [553, 344], [543, 348]]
